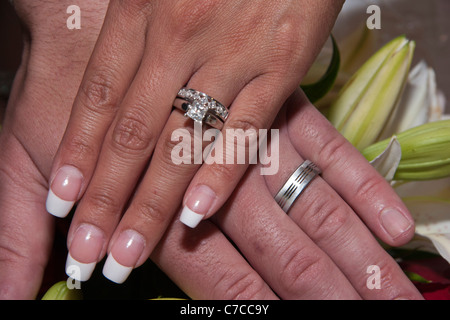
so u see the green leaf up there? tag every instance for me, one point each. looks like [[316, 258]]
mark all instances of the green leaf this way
[[318, 90], [416, 277]]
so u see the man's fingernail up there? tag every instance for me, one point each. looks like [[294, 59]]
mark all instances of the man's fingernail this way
[[395, 222], [197, 206], [64, 191], [124, 255], [84, 252]]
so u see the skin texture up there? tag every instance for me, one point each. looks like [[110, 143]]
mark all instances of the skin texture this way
[[285, 256], [324, 254], [249, 55]]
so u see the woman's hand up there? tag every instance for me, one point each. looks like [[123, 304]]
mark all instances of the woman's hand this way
[[249, 55]]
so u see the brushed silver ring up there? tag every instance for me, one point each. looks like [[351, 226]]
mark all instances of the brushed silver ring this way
[[296, 184]]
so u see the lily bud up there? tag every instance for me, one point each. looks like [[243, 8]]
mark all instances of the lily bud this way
[[425, 152], [366, 102], [60, 291]]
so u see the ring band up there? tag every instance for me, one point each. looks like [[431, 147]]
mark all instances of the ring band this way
[[201, 108], [296, 183]]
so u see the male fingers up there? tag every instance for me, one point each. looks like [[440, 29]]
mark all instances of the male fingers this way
[[205, 265], [329, 221], [348, 172], [284, 255], [26, 229]]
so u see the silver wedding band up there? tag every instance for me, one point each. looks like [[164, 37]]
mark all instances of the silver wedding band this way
[[201, 108], [296, 184]]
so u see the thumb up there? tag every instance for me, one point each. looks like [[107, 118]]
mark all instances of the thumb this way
[[26, 230]]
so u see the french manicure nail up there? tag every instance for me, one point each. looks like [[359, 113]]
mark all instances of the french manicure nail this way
[[395, 222], [64, 191], [124, 255], [197, 206], [84, 252]]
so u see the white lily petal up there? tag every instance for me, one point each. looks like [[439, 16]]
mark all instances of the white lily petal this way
[[432, 218], [422, 244], [436, 99], [429, 188], [442, 244], [387, 162], [357, 46], [413, 108]]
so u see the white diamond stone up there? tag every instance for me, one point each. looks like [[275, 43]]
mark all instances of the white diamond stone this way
[[197, 111]]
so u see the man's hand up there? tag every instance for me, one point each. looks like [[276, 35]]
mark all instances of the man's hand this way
[[53, 63]]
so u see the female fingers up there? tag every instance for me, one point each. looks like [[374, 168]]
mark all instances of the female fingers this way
[[111, 68], [115, 125], [286, 47], [145, 210]]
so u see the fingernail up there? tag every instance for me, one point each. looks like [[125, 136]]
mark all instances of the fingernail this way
[[84, 252], [124, 255], [197, 206], [64, 191], [395, 222]]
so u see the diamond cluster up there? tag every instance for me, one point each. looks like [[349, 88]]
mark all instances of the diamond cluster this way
[[200, 104]]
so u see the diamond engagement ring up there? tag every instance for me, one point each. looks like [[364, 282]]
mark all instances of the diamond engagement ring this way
[[296, 183], [201, 108]]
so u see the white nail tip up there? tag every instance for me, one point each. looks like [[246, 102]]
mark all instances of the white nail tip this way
[[114, 271], [58, 207], [78, 270], [190, 218]]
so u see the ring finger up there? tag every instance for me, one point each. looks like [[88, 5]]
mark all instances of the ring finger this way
[[161, 190]]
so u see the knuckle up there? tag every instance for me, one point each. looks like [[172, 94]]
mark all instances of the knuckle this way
[[98, 94], [369, 187], [17, 250], [133, 10], [101, 203], [151, 211], [242, 286], [194, 14], [332, 151], [248, 123], [325, 218], [132, 134], [176, 140], [138, 3], [80, 148], [223, 172], [388, 278], [10, 255], [287, 48], [301, 268], [241, 138]]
